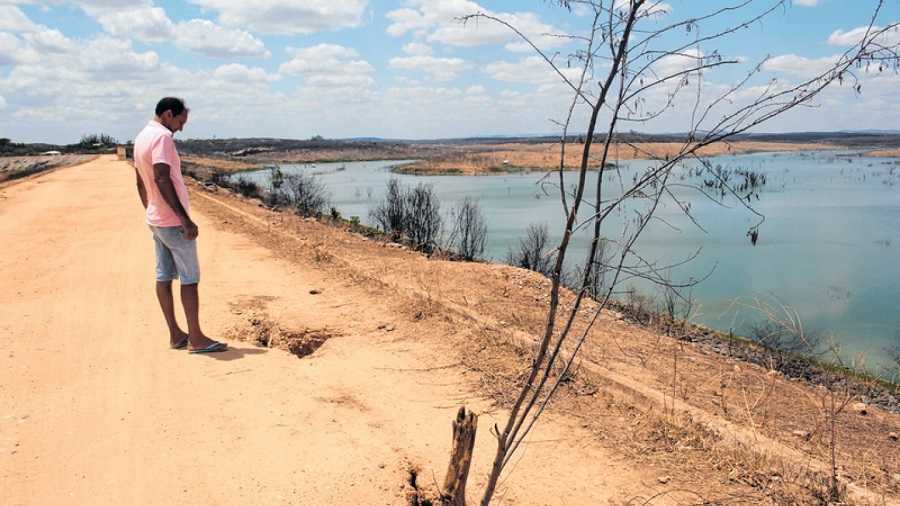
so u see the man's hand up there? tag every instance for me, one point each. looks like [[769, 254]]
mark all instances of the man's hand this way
[[189, 230]]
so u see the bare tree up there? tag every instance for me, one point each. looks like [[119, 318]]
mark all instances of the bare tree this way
[[390, 214], [423, 224], [413, 214], [532, 252], [469, 230], [306, 193], [631, 72]]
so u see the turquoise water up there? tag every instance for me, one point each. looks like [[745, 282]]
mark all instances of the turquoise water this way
[[829, 247]]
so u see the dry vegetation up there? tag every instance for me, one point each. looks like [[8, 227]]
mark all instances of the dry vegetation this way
[[705, 426]]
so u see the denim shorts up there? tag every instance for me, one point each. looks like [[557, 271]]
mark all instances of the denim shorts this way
[[176, 257]]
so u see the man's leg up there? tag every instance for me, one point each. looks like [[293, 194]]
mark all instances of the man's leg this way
[[167, 304], [190, 299], [184, 257], [166, 271]]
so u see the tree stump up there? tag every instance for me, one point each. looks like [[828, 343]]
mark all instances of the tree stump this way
[[454, 492]]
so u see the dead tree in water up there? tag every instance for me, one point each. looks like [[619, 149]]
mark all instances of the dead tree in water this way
[[632, 69]]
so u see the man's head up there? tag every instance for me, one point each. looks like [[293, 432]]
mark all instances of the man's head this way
[[172, 113]]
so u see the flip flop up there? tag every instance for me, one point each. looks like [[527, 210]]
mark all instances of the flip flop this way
[[212, 348], [180, 344]]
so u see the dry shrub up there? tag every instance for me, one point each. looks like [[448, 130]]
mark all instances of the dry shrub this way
[[469, 232], [533, 252], [306, 194], [321, 255], [412, 214]]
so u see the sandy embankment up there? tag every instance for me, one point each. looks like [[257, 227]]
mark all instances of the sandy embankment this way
[[884, 153], [484, 159], [94, 409]]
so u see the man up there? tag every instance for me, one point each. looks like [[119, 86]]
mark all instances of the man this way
[[165, 198]]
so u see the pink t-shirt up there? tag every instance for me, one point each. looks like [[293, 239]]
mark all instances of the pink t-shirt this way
[[155, 145]]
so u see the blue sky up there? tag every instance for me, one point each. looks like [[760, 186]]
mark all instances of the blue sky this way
[[402, 69]]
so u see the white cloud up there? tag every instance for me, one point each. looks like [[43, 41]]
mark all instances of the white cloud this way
[[39, 37], [806, 3], [236, 72], [530, 70], [145, 23], [12, 19], [799, 66], [855, 36], [439, 22], [323, 58], [423, 94], [406, 20], [105, 54], [417, 49], [104, 83], [330, 70], [205, 37], [148, 23], [440, 69], [652, 8], [49, 40], [111, 4], [287, 17], [13, 51], [2, 103], [475, 90], [675, 63]]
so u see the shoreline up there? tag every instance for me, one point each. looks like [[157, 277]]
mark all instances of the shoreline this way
[[795, 366], [742, 347], [489, 159]]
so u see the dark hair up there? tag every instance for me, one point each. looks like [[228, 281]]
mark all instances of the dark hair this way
[[176, 105]]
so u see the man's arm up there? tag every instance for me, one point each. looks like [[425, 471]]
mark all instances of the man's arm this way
[[142, 192], [163, 181]]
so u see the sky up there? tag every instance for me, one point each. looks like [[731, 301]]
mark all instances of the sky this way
[[405, 69]]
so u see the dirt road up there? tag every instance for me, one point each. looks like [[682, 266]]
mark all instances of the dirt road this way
[[95, 409]]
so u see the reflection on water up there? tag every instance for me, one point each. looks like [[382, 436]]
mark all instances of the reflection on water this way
[[829, 246]]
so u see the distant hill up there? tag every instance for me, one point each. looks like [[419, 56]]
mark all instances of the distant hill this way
[[852, 139]]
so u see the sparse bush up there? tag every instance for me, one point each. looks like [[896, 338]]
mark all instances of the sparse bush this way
[[595, 286], [219, 178], [423, 224], [784, 342], [894, 353], [276, 196], [410, 213], [306, 194], [92, 140], [893, 369], [390, 214], [639, 307], [469, 230], [247, 187], [532, 251]]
